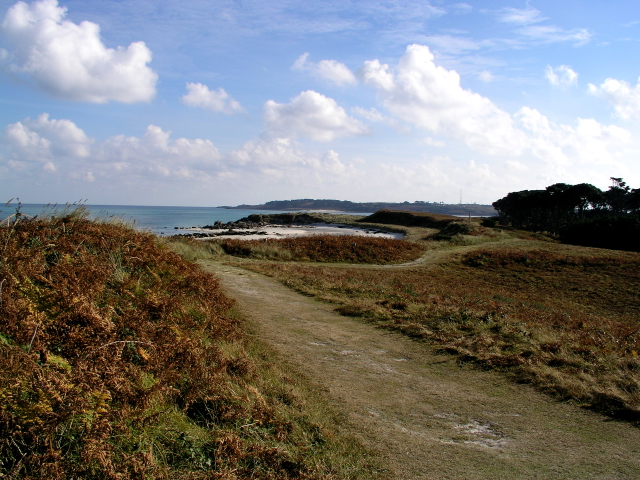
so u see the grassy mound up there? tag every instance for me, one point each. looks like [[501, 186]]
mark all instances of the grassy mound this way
[[118, 359], [411, 219], [326, 248]]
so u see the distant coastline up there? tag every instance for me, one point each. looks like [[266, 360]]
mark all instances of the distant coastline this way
[[368, 207]]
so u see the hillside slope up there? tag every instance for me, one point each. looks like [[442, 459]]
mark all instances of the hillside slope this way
[[119, 359]]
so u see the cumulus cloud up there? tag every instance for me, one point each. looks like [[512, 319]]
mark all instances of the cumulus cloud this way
[[563, 147], [331, 70], [561, 76], [281, 159], [156, 155], [310, 115], [61, 148], [200, 96], [624, 97], [46, 141], [431, 97], [70, 61]]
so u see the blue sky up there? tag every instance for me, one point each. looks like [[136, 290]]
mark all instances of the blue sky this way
[[209, 103]]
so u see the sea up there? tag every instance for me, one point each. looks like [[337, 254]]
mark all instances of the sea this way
[[163, 221]]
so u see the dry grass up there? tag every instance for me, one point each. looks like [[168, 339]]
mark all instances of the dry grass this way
[[563, 318], [326, 249], [119, 359]]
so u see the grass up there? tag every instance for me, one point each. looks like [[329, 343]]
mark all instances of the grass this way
[[315, 248], [327, 249], [560, 317], [121, 359]]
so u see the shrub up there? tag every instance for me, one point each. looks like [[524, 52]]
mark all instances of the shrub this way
[[489, 222]]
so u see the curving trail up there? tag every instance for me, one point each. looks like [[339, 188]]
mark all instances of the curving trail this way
[[425, 416]]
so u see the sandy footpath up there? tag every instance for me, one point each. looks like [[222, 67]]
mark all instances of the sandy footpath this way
[[281, 231]]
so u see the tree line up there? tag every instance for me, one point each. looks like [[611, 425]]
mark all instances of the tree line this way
[[580, 214]]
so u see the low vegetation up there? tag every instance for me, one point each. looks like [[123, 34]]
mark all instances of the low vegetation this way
[[326, 248], [120, 359], [563, 318]]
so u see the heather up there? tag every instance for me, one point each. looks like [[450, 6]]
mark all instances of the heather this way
[[120, 359]]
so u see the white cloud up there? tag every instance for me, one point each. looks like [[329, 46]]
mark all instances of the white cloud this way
[[62, 147], [70, 61], [520, 16], [200, 96], [551, 34], [310, 115], [563, 148], [155, 158], [43, 139], [486, 76], [282, 159], [430, 142], [561, 76], [624, 97], [372, 114], [155, 154], [430, 97], [331, 70], [20, 138]]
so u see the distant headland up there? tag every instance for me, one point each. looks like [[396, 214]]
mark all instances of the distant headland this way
[[370, 207]]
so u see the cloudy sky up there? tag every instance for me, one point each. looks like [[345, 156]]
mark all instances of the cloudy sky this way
[[221, 102]]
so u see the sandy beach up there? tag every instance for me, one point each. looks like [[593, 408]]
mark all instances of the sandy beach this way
[[282, 231]]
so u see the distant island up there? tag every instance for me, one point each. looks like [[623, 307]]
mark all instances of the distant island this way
[[371, 207]]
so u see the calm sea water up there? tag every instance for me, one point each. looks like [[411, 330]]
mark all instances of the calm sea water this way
[[159, 220]]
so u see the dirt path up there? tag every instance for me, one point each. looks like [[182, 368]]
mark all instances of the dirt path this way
[[425, 416]]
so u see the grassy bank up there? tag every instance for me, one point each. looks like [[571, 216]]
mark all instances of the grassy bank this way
[[120, 359]]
